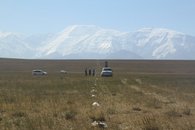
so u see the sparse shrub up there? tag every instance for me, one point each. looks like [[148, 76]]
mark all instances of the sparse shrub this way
[[99, 117], [111, 111], [174, 113], [9, 100], [19, 114], [55, 115], [113, 94], [137, 109], [150, 123], [70, 115], [187, 111], [154, 103], [70, 102]]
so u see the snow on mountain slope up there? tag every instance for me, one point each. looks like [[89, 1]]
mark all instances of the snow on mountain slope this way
[[89, 41], [156, 43], [148, 43], [82, 39], [13, 45], [162, 43]]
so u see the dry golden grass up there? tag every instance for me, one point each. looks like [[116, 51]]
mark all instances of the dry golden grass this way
[[142, 95]]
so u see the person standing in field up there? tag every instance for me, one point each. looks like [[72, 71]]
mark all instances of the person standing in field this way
[[89, 71], [106, 63], [85, 71]]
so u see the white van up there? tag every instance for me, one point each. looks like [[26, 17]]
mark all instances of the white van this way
[[39, 72], [106, 72]]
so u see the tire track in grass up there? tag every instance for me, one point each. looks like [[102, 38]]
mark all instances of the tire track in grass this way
[[151, 94], [164, 99], [170, 91]]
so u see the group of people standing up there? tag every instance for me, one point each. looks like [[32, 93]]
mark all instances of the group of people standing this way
[[92, 71], [89, 71]]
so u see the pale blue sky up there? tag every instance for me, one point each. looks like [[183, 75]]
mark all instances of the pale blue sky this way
[[45, 16]]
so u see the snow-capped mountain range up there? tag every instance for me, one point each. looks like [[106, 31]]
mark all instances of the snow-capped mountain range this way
[[92, 42]]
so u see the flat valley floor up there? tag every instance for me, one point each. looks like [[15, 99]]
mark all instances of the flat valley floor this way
[[141, 95]]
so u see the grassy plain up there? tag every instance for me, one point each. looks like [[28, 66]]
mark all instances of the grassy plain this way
[[142, 95]]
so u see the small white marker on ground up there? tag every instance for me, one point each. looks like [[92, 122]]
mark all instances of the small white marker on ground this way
[[92, 95], [93, 90], [96, 104]]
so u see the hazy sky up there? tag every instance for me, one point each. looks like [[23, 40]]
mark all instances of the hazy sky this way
[[42, 16]]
